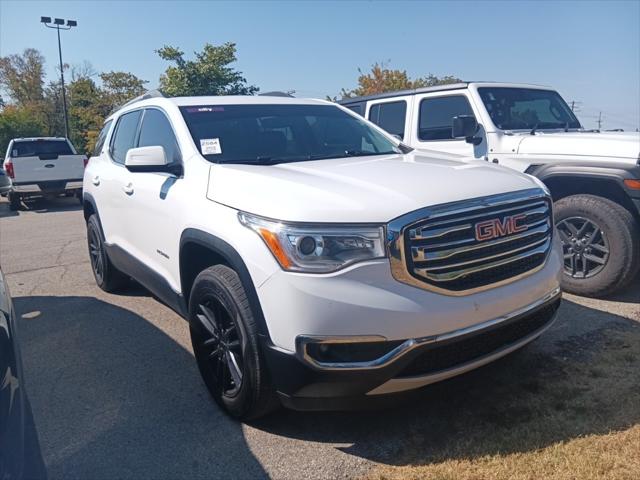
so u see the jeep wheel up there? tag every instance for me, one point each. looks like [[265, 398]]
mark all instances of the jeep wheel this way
[[108, 277], [225, 343], [600, 242]]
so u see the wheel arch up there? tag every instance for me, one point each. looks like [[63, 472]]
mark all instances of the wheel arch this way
[[200, 250], [89, 206], [605, 181]]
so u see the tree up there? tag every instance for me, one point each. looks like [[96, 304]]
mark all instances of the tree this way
[[208, 74], [382, 79], [86, 113], [119, 87], [18, 121], [22, 76]]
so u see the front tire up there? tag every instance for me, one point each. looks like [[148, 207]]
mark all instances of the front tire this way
[[224, 337], [601, 245], [107, 277]]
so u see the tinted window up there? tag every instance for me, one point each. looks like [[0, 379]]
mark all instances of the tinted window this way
[[389, 116], [101, 138], [156, 131], [436, 116], [274, 133], [526, 108], [32, 148], [125, 135], [356, 108]]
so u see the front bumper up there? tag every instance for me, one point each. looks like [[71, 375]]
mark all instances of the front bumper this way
[[305, 384]]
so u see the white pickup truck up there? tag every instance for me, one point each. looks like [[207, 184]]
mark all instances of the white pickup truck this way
[[593, 176], [43, 166]]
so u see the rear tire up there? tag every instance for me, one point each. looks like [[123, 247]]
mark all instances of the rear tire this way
[[601, 245], [14, 201], [224, 336], [107, 277]]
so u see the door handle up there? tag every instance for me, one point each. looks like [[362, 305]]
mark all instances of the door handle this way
[[96, 180], [128, 189]]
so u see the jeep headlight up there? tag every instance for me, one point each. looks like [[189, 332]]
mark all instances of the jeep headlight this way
[[317, 248]]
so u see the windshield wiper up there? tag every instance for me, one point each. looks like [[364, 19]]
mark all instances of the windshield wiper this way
[[364, 153], [263, 160]]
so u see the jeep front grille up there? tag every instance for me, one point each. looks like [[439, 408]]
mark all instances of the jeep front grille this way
[[471, 245]]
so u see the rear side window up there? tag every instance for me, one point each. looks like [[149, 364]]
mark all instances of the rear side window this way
[[101, 138], [357, 108], [125, 135], [33, 148], [156, 131], [389, 116], [436, 116]]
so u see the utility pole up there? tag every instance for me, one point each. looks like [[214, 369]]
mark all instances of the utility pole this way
[[599, 120], [58, 24]]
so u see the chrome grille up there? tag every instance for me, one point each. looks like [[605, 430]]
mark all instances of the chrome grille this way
[[463, 247]]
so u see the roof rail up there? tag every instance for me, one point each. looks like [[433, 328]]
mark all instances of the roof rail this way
[[276, 94], [144, 96]]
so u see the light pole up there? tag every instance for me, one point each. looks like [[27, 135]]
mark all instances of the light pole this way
[[58, 24]]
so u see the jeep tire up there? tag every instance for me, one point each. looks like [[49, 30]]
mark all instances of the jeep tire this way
[[601, 244]]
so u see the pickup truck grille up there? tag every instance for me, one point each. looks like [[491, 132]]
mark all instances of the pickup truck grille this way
[[467, 246]]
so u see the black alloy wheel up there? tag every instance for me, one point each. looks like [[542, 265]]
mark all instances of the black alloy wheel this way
[[585, 247]]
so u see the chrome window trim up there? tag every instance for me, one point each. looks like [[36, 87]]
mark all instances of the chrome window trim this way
[[396, 230], [302, 341]]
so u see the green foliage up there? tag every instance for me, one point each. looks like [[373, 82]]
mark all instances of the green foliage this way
[[22, 76], [119, 87], [382, 79], [208, 74], [18, 122]]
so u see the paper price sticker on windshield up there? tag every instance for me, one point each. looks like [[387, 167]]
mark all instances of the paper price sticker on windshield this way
[[210, 146]]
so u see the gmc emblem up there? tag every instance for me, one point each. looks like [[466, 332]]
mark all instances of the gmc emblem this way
[[496, 228]]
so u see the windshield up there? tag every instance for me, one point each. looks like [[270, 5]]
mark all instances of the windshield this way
[[269, 134], [527, 108], [33, 148]]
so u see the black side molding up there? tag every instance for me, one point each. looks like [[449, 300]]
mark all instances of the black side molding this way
[[151, 280]]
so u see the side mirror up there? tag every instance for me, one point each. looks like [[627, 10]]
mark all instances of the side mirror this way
[[466, 126], [146, 159]]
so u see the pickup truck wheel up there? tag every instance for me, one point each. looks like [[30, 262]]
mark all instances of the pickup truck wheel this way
[[14, 201], [108, 277], [600, 242], [225, 343]]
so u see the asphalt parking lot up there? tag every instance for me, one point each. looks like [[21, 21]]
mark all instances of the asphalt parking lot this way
[[116, 392]]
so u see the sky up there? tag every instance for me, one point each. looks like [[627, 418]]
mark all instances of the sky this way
[[588, 50]]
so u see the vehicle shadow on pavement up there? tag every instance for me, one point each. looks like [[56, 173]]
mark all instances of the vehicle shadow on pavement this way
[[44, 205], [582, 377], [115, 397]]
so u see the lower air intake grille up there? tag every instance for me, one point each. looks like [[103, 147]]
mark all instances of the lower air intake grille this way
[[459, 352]]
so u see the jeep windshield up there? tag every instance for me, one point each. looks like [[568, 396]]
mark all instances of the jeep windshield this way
[[527, 108], [267, 134]]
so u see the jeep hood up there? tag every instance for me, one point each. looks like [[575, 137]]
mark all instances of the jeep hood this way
[[618, 145], [373, 189]]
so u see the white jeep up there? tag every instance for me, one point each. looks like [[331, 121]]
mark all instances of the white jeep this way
[[317, 260], [593, 176]]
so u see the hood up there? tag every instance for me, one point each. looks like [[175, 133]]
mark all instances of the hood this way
[[619, 145], [357, 189]]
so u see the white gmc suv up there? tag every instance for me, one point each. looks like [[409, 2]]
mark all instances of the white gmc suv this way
[[593, 176], [318, 260]]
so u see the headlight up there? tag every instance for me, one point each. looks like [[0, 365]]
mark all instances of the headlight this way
[[317, 248]]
